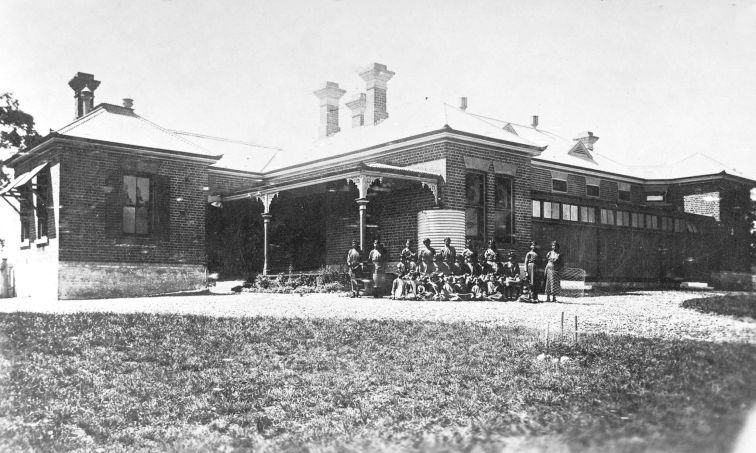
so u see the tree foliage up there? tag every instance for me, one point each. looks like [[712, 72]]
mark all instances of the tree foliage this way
[[17, 131]]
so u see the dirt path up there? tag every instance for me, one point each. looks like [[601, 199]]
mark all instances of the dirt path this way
[[645, 313]]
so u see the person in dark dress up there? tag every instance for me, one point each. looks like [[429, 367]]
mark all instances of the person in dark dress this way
[[533, 274], [553, 267], [378, 257], [448, 258], [511, 277], [426, 257], [354, 262]]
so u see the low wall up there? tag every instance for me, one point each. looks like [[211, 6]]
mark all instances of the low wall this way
[[86, 280]]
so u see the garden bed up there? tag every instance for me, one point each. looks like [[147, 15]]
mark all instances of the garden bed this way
[[740, 305]]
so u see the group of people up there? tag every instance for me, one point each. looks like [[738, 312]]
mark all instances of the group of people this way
[[446, 275]]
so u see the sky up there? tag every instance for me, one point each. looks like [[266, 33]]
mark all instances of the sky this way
[[655, 80]]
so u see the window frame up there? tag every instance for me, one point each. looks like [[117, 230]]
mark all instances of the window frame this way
[[510, 237], [598, 191], [480, 208], [149, 205], [554, 189]]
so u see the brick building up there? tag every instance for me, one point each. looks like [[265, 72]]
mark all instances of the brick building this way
[[114, 205]]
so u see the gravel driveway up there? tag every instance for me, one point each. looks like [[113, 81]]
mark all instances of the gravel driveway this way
[[642, 313]]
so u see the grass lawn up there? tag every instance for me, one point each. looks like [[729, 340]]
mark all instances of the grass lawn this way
[[743, 305], [187, 383]]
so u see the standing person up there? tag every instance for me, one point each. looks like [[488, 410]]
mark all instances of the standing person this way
[[379, 257], [426, 257], [491, 256], [553, 267], [354, 262], [448, 257], [533, 273], [408, 257]]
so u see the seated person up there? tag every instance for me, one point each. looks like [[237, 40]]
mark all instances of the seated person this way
[[398, 287], [479, 291], [511, 275], [491, 258]]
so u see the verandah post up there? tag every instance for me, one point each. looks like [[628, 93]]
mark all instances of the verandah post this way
[[266, 221], [362, 203]]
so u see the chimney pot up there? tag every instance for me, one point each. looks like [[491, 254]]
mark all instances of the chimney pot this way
[[357, 106], [376, 77], [128, 103], [535, 121], [329, 97], [79, 83], [463, 103]]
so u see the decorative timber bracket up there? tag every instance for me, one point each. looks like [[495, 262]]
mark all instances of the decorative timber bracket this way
[[363, 182], [266, 199]]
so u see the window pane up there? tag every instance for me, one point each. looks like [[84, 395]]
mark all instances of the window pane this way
[[536, 208], [574, 213], [142, 191], [503, 226], [610, 217], [603, 216], [474, 189], [474, 222], [566, 212], [129, 190], [142, 221], [626, 216], [584, 213], [624, 195], [592, 215], [546, 209], [592, 191], [503, 198], [555, 210], [128, 219]]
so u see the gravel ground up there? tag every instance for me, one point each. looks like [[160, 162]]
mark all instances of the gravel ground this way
[[642, 313]]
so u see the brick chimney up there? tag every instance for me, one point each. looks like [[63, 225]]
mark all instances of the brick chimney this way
[[534, 124], [329, 97], [84, 97], [357, 106], [376, 76], [588, 139]]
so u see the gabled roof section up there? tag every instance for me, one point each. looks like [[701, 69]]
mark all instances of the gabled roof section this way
[[116, 124], [237, 154]]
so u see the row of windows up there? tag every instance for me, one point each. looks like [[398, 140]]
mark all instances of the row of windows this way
[[587, 214], [559, 184], [476, 207]]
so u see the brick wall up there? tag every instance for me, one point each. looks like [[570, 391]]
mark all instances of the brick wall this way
[[608, 190], [95, 280], [220, 183], [89, 177]]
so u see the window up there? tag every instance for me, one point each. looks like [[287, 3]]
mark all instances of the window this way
[[570, 212], [592, 191], [637, 220], [623, 191], [588, 214], [679, 226], [655, 197], [475, 185], [559, 185], [503, 218], [667, 224], [26, 202], [622, 220], [42, 201], [136, 205], [652, 222], [551, 210], [607, 217], [692, 228], [536, 208]]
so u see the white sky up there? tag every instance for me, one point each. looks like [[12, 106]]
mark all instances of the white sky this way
[[656, 80]]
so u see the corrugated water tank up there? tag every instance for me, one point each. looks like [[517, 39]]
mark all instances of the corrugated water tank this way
[[437, 224]]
